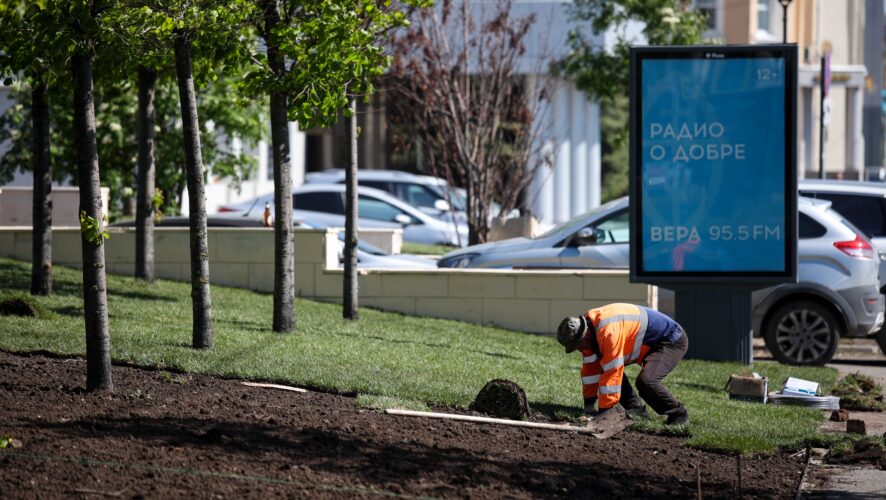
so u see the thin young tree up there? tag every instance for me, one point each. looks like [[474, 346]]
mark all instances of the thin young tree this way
[[319, 55], [145, 185], [23, 51], [350, 283], [200, 297], [284, 264], [72, 31], [215, 24], [374, 24], [84, 25]]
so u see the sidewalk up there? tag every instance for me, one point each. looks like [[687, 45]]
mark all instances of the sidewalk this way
[[850, 481]]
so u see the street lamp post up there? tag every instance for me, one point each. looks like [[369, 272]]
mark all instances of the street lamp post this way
[[784, 19]]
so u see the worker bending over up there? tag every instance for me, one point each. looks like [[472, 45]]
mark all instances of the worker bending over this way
[[616, 335]]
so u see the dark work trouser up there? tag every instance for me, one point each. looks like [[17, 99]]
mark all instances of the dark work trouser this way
[[661, 360]]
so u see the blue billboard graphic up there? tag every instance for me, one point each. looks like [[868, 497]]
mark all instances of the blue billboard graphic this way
[[712, 165]]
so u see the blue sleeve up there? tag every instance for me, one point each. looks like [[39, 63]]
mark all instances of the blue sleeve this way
[[660, 327]]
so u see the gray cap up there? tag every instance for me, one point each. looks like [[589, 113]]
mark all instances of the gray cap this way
[[570, 332]]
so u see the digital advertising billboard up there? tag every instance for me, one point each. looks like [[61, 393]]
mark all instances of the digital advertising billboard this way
[[713, 164]]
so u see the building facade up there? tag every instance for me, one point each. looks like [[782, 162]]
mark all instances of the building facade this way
[[852, 31]]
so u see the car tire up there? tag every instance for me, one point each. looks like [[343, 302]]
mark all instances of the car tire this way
[[802, 333]]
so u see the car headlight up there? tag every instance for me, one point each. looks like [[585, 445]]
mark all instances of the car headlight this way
[[457, 261]]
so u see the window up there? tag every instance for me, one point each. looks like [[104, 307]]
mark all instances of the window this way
[[709, 9], [319, 202], [615, 229], [384, 186], [415, 194], [865, 212], [809, 228], [373, 208], [763, 18]]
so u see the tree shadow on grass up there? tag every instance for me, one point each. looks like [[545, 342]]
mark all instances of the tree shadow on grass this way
[[393, 341], [74, 311], [238, 324], [129, 294]]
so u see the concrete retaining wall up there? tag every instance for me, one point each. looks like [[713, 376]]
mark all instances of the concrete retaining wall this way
[[532, 301], [16, 205]]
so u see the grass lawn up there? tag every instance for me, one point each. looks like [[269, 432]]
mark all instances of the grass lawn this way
[[385, 358], [422, 249]]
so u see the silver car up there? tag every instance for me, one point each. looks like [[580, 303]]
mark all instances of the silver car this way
[[376, 208], [837, 293], [864, 204]]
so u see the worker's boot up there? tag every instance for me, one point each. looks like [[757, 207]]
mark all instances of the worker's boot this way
[[678, 418]]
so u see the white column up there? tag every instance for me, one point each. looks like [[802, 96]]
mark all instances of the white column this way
[[578, 137], [540, 196], [297, 154], [854, 136], [262, 167], [809, 157], [594, 162], [564, 158]]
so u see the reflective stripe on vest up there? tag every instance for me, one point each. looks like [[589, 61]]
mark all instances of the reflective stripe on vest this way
[[589, 359], [638, 342], [590, 379], [610, 389], [615, 363]]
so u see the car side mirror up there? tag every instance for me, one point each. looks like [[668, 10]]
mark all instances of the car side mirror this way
[[442, 205], [403, 219], [585, 236]]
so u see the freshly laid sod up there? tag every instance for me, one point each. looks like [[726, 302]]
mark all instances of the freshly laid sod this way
[[383, 357], [423, 249]]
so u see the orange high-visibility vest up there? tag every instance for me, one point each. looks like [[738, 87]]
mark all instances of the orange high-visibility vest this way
[[620, 331]]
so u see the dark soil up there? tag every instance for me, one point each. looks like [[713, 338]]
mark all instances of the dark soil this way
[[503, 399], [17, 307], [162, 435]]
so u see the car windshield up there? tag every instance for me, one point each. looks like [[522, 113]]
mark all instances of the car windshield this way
[[455, 200], [578, 221]]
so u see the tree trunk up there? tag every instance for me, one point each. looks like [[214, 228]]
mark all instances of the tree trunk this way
[[41, 263], [350, 311], [147, 145], [200, 299], [284, 267], [95, 299]]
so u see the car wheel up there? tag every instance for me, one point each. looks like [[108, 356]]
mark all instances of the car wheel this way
[[802, 333]]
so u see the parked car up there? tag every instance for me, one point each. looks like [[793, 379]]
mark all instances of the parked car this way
[[425, 192], [864, 204], [838, 292], [372, 257], [375, 207]]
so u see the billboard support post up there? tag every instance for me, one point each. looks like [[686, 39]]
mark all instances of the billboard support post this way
[[720, 321]]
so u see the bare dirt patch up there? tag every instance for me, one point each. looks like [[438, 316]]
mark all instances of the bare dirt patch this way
[[162, 435]]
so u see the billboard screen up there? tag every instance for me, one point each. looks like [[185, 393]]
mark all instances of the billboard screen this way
[[713, 155]]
